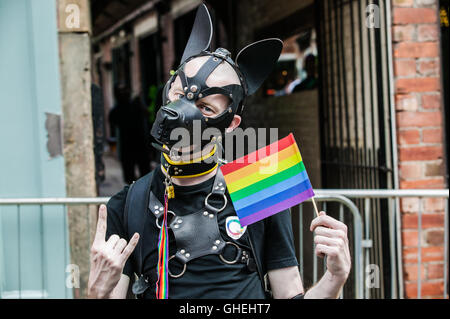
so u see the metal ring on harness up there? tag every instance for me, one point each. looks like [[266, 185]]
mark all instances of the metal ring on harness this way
[[212, 207], [238, 254], [180, 274], [168, 227]]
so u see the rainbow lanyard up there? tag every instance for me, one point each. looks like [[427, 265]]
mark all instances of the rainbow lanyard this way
[[162, 285]]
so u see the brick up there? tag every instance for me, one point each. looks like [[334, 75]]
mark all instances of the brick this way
[[405, 67], [410, 290], [432, 288], [422, 3], [427, 254], [432, 220], [411, 171], [416, 50], [427, 32], [435, 237], [435, 271], [410, 272], [427, 84], [434, 169], [402, 33], [420, 153], [409, 238], [431, 101], [428, 68], [419, 119], [435, 205], [409, 221], [403, 3], [432, 135], [429, 289], [426, 183], [406, 102], [408, 137], [409, 205], [414, 15]]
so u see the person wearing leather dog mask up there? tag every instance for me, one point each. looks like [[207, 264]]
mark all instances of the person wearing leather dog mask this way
[[211, 255]]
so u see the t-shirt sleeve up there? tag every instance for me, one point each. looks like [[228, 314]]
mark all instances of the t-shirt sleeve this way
[[115, 223], [279, 242]]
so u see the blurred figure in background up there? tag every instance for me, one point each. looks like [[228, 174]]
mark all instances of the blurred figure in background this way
[[310, 82], [130, 118]]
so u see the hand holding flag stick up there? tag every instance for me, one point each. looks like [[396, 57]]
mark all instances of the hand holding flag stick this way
[[258, 190]]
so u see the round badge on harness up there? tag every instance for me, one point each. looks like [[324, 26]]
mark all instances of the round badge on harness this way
[[234, 228]]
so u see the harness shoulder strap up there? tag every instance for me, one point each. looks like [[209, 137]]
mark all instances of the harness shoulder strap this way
[[127, 207], [135, 213]]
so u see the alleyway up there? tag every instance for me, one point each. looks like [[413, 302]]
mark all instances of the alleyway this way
[[114, 182], [113, 176]]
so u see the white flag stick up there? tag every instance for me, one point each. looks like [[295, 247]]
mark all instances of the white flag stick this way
[[315, 206]]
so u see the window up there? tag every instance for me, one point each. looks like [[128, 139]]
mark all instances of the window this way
[[296, 69]]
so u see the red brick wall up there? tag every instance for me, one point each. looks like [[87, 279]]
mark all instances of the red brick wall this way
[[420, 139]]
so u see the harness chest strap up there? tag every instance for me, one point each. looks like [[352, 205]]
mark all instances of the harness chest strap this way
[[186, 251], [196, 234]]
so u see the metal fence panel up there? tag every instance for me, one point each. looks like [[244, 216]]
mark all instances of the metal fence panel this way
[[360, 234]]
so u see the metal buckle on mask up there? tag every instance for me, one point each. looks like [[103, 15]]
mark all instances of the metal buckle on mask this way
[[201, 89], [220, 150], [221, 53]]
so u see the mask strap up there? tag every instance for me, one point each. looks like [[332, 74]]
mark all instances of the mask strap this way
[[183, 77], [205, 70]]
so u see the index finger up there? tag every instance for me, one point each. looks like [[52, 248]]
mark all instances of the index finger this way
[[327, 221], [100, 234]]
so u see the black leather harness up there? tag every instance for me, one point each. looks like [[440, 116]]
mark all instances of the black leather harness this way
[[196, 235]]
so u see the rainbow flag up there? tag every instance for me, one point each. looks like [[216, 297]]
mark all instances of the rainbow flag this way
[[267, 181]]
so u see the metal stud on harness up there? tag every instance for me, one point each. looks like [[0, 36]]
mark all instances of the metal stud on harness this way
[[198, 234], [224, 248]]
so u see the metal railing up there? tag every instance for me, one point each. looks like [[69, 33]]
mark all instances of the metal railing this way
[[48, 280], [347, 209], [364, 197], [355, 237]]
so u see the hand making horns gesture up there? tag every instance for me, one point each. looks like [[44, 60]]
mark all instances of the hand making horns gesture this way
[[107, 258]]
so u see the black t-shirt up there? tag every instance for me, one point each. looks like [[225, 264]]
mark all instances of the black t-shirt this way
[[207, 276]]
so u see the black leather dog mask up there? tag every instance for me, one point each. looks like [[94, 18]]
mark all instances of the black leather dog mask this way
[[253, 64]]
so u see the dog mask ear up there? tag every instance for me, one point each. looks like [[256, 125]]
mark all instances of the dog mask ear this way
[[201, 34], [257, 60]]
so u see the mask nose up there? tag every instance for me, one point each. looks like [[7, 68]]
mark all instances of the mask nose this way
[[170, 114], [167, 119], [179, 114]]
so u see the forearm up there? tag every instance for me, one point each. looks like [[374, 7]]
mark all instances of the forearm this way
[[285, 282], [328, 287], [118, 292]]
